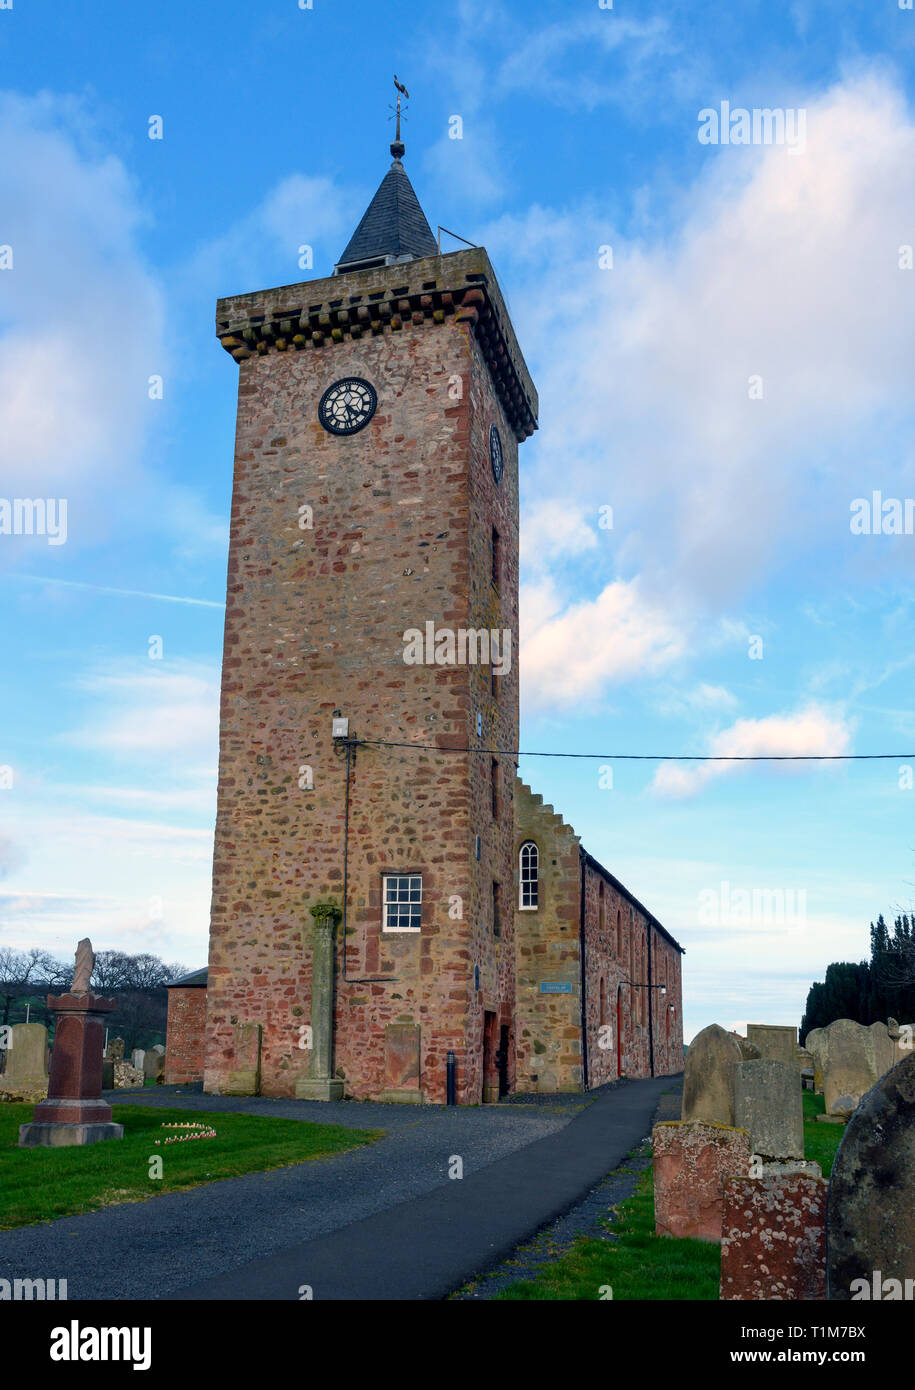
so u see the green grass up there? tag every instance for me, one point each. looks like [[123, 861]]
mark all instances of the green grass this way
[[640, 1265], [820, 1141], [42, 1184], [636, 1265]]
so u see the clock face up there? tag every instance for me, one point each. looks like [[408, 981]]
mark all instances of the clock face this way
[[348, 405], [495, 454]]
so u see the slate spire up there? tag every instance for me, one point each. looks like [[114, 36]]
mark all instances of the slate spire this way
[[394, 226]]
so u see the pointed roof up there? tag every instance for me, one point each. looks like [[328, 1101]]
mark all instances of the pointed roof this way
[[393, 227]]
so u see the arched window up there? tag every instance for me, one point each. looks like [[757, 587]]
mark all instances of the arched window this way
[[529, 877]]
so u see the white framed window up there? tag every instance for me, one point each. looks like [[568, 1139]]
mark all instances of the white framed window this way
[[403, 902], [529, 877]]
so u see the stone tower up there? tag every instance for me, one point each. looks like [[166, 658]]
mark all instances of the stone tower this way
[[374, 548]]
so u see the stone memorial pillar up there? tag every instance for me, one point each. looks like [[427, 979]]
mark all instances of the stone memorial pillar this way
[[74, 1112], [321, 1084]]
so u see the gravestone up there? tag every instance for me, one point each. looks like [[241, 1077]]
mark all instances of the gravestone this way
[[107, 1074], [774, 1041], [245, 1077], [26, 1074], [136, 1058], [767, 1104], [748, 1051], [816, 1044], [74, 1112], [401, 1063], [114, 1052], [153, 1065], [855, 1059], [773, 1238], [870, 1221], [691, 1162], [708, 1077]]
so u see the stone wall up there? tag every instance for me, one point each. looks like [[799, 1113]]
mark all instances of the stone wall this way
[[402, 520], [547, 952], [625, 1026], [184, 1036]]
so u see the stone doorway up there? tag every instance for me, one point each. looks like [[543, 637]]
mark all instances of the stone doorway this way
[[502, 1061], [490, 1058]]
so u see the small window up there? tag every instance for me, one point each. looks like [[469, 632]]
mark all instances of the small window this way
[[494, 787], [496, 558], [529, 877], [619, 935], [403, 902], [600, 896], [496, 909]]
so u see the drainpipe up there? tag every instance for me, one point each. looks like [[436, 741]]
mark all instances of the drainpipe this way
[[365, 979], [584, 976], [650, 1006]]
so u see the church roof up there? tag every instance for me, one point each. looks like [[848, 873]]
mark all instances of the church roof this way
[[393, 227]]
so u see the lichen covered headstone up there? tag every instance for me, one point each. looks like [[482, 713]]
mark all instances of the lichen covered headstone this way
[[871, 1215]]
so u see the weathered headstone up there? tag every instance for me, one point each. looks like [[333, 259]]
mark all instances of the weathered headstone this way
[[136, 1058], [775, 1041], [25, 1076], [856, 1057], [748, 1051], [245, 1077], [115, 1050], [158, 1047], [773, 1238], [107, 1074], [708, 1077], [153, 1065], [871, 1215], [767, 1104], [816, 1044], [401, 1063], [691, 1162]]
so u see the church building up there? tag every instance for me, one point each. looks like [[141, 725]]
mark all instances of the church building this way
[[393, 910]]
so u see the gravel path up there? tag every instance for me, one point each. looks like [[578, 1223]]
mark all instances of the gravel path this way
[[151, 1249]]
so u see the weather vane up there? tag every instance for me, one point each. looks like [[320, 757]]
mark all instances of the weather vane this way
[[397, 147]]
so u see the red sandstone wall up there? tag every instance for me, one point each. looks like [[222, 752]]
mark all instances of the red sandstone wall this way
[[184, 1036], [607, 962], [314, 622]]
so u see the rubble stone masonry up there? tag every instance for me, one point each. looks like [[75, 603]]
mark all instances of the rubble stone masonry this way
[[400, 533]]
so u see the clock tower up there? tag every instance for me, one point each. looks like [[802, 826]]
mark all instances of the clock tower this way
[[363, 878]]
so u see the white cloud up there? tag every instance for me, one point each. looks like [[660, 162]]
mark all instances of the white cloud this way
[[153, 712], [569, 653], [83, 317], [555, 527], [809, 731], [778, 265]]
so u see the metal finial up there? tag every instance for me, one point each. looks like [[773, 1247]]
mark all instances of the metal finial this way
[[397, 145]]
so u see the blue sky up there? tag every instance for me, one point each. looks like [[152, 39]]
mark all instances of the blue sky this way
[[730, 608]]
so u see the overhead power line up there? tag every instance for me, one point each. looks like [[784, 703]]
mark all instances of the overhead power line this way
[[651, 757]]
